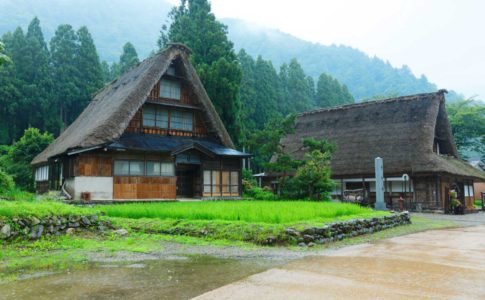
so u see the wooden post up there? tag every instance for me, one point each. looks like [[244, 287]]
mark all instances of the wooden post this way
[[341, 189], [390, 191], [437, 191]]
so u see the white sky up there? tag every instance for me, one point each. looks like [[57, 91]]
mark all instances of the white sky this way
[[443, 39]]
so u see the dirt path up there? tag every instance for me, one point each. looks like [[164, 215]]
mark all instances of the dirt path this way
[[439, 264]]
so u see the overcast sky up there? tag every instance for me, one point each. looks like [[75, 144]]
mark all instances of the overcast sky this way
[[443, 39]]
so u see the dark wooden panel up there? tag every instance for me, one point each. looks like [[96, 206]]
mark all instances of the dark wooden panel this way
[[93, 165], [42, 187]]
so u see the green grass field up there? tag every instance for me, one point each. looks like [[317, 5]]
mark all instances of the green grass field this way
[[273, 212], [40, 209]]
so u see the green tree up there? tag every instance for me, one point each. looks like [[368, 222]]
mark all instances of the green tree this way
[[106, 72], [36, 76], [259, 92], [128, 59], [66, 75], [331, 93], [265, 143], [89, 68], [193, 24], [3, 57], [17, 161], [313, 175], [297, 88], [467, 120], [11, 99]]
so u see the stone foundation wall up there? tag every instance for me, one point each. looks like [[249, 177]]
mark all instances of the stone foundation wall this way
[[34, 228], [340, 230]]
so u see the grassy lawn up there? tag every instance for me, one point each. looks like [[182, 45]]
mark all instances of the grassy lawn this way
[[270, 212]]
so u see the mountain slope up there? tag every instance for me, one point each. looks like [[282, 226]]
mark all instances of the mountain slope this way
[[365, 76], [112, 23]]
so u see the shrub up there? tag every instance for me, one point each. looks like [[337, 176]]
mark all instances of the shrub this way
[[258, 193], [6, 182]]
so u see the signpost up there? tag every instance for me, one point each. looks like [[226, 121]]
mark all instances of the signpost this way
[[379, 168]]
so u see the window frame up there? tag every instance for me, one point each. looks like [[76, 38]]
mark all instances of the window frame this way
[[185, 119], [145, 169], [174, 89], [217, 190]]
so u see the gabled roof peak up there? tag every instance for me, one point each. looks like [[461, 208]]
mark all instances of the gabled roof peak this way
[[111, 109], [179, 46]]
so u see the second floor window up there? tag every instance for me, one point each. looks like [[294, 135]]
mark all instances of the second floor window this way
[[170, 89], [155, 117], [181, 120]]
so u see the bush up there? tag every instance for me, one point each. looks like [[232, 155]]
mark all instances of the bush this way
[[6, 182], [258, 193], [17, 160]]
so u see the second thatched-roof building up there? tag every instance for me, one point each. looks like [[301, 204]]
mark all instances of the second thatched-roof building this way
[[412, 135]]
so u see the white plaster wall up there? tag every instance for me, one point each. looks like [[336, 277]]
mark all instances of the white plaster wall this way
[[69, 186], [101, 188]]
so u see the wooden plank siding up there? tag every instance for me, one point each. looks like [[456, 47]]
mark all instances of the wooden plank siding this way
[[93, 165], [136, 187]]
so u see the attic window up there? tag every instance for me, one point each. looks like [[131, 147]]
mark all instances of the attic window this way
[[171, 71], [170, 89]]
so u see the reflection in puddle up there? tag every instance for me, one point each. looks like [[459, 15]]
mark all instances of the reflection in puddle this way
[[160, 279]]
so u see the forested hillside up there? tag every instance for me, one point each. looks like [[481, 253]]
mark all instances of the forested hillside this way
[[113, 23]]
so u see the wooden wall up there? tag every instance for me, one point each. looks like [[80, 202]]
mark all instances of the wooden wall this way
[[41, 187], [130, 187], [93, 165]]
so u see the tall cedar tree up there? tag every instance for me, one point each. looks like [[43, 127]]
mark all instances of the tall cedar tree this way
[[37, 78], [331, 93], [11, 100], [128, 59], [193, 24], [88, 64], [66, 75], [3, 57], [298, 89], [260, 81]]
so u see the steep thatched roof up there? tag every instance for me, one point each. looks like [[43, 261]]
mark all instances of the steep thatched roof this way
[[110, 111], [400, 130]]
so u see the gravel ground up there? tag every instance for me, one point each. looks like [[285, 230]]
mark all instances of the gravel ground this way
[[463, 220]]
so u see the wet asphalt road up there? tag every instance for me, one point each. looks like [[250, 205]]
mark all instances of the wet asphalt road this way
[[439, 264]]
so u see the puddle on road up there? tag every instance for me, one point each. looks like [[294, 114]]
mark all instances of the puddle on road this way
[[160, 279]]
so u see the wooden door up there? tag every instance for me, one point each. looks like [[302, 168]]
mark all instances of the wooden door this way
[[185, 180]]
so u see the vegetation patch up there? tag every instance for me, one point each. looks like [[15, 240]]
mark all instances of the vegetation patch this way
[[39, 209], [264, 233], [270, 212]]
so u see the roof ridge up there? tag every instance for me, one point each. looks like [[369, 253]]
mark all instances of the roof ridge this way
[[373, 102]]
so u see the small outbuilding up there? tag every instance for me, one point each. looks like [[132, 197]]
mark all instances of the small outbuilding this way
[[413, 136], [151, 134]]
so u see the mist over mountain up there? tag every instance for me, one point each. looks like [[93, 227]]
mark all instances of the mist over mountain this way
[[112, 23]]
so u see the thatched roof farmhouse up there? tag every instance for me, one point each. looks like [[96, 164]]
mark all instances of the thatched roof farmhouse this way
[[412, 135], [151, 134]]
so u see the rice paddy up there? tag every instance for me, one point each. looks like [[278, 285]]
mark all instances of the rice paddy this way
[[274, 212]]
